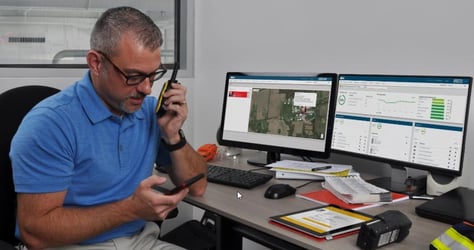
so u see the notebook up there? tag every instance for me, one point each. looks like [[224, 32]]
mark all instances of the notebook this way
[[451, 207]]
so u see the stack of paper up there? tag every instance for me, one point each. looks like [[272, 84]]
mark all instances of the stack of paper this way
[[325, 196], [290, 169], [354, 189]]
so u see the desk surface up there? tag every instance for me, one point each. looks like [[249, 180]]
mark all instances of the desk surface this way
[[253, 210]]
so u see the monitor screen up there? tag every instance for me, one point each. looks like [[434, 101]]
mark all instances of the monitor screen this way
[[279, 113], [408, 121]]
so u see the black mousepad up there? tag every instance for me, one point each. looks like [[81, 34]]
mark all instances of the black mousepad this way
[[451, 207]]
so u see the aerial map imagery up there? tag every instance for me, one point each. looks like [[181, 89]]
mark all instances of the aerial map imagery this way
[[289, 112]]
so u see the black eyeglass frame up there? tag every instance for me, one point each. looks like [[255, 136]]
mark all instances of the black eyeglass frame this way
[[136, 79]]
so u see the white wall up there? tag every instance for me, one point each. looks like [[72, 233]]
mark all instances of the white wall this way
[[365, 36]]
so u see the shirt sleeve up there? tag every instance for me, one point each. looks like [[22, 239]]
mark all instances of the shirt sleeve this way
[[41, 154], [163, 158]]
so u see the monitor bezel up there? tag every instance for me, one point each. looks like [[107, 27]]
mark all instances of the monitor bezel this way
[[276, 149], [405, 164]]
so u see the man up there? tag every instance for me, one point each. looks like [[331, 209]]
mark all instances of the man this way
[[83, 158]]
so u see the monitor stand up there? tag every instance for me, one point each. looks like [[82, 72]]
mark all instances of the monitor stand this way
[[271, 157], [403, 180]]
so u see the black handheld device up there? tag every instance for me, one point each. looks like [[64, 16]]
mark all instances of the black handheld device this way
[[186, 184], [160, 110], [387, 227]]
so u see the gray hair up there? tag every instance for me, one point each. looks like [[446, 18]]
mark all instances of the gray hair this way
[[115, 22]]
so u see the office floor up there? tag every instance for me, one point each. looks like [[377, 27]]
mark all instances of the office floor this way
[[250, 245]]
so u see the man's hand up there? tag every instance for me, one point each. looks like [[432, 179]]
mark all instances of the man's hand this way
[[176, 112], [150, 204]]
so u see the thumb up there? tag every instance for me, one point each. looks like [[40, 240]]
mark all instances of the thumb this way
[[153, 180]]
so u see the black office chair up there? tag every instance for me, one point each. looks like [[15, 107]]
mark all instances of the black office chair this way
[[14, 104]]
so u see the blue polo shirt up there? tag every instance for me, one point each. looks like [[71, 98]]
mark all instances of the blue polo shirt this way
[[72, 142]]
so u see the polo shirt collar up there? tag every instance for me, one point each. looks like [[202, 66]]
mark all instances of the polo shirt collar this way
[[94, 106]]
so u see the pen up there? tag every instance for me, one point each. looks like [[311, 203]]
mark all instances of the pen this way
[[418, 197], [321, 168]]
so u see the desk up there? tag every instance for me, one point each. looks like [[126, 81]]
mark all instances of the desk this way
[[253, 210]]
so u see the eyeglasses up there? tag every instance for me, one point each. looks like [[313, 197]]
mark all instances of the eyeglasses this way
[[132, 80]]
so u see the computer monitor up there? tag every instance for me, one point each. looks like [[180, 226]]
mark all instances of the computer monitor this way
[[280, 113], [417, 122]]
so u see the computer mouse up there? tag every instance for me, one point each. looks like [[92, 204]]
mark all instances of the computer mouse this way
[[278, 191]]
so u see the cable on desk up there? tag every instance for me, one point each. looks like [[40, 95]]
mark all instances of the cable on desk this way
[[306, 183], [257, 169], [308, 158]]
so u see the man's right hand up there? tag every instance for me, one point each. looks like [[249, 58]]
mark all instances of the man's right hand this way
[[152, 205]]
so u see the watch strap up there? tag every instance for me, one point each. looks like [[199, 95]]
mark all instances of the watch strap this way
[[179, 145]]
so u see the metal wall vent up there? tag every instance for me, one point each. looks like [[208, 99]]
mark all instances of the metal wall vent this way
[[20, 39]]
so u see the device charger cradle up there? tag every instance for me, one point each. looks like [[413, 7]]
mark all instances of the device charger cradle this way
[[437, 185], [403, 180], [417, 182]]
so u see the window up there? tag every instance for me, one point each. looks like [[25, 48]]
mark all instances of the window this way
[[55, 33]]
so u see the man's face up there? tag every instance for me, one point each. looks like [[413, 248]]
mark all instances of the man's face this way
[[118, 86]]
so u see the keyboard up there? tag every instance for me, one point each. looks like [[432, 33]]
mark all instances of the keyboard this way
[[236, 177]]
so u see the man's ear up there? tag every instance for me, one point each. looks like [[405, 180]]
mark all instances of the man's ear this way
[[94, 61]]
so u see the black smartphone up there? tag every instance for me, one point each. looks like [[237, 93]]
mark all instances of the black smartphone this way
[[160, 110], [186, 184]]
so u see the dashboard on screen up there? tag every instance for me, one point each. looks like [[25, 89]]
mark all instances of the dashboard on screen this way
[[413, 121], [279, 113]]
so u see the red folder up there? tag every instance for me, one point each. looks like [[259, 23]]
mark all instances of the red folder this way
[[326, 197]]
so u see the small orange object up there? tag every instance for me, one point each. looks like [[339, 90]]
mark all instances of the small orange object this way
[[208, 151]]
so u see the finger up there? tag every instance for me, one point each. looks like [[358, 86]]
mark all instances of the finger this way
[[175, 99], [181, 194], [177, 110], [164, 214], [176, 94], [153, 180], [176, 89], [160, 202], [179, 86]]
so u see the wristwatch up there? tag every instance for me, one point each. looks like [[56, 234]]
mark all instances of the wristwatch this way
[[180, 144]]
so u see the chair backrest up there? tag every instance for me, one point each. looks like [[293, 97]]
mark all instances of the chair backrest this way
[[14, 104]]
